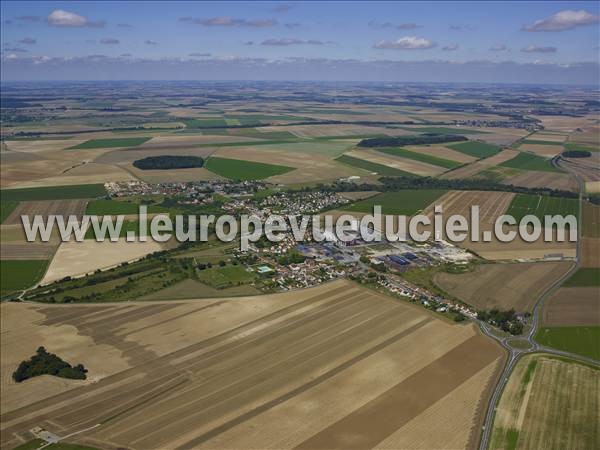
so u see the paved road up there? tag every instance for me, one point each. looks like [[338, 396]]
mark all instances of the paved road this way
[[515, 353]]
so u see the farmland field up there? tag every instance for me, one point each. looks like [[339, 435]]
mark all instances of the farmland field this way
[[572, 306], [110, 143], [373, 167], [53, 193], [548, 403], [503, 286], [19, 275], [584, 277], [540, 206], [114, 207], [238, 169], [582, 147], [6, 208], [475, 149], [541, 142], [251, 372], [403, 153], [590, 215], [529, 161], [412, 166], [45, 208], [580, 340], [407, 202]]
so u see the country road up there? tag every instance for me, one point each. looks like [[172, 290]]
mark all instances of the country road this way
[[514, 354]]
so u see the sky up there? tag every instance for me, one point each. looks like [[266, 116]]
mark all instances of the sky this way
[[496, 42]]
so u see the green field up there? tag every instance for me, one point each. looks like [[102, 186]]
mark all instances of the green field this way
[[529, 161], [440, 162], [224, 277], [128, 225], [407, 202], [585, 277], [252, 119], [540, 142], [115, 207], [53, 193], [237, 169], [19, 275], [581, 147], [6, 208], [580, 340], [475, 149], [540, 206], [110, 143], [206, 122], [380, 169]]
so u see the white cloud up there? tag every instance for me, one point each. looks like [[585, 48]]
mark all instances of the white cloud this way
[[28, 41], [225, 21], [293, 41], [539, 49], [450, 47], [109, 41], [61, 18], [563, 20], [406, 43], [398, 26], [498, 48], [149, 42]]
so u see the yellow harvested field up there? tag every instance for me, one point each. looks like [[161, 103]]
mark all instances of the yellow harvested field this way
[[552, 137], [79, 258], [441, 152], [84, 174], [503, 286], [535, 178], [589, 135], [312, 168], [167, 176], [547, 151], [565, 124], [408, 165], [253, 372], [335, 130], [548, 403], [43, 145], [593, 187], [190, 139], [478, 166], [22, 334]]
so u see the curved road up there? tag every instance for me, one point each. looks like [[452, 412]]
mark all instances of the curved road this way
[[515, 353]]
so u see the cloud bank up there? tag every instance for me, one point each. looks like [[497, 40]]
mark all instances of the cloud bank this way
[[563, 20], [405, 43]]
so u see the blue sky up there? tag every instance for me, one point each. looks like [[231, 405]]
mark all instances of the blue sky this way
[[307, 40]]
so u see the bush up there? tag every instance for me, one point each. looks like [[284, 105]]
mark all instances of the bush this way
[[410, 140], [576, 154], [44, 363], [165, 162]]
